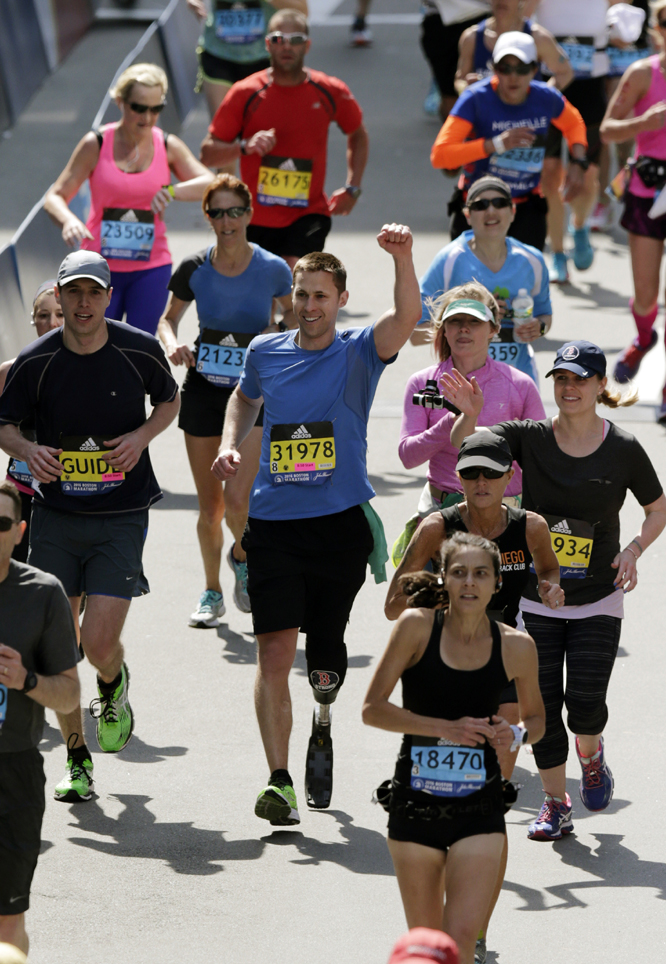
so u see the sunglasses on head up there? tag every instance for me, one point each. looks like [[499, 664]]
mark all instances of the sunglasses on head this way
[[295, 39], [521, 69], [485, 202], [217, 213], [474, 471], [143, 108], [6, 523]]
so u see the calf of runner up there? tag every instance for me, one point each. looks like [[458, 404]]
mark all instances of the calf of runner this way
[[310, 529]]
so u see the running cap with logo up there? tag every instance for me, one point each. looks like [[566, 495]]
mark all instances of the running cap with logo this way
[[84, 264], [488, 183], [518, 44], [580, 357], [468, 306], [484, 450], [422, 945]]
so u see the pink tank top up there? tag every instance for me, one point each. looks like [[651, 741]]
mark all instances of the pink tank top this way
[[650, 143], [126, 231]]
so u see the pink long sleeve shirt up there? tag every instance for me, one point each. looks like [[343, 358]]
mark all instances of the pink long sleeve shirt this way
[[425, 434]]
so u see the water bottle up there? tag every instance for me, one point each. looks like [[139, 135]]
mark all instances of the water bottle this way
[[523, 308]]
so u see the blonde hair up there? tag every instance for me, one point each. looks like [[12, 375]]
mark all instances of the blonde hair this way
[[655, 7], [150, 75], [617, 399], [437, 307]]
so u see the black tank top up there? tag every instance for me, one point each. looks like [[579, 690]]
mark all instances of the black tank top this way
[[431, 688], [516, 561]]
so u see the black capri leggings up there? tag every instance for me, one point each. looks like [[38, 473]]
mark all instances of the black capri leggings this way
[[589, 647]]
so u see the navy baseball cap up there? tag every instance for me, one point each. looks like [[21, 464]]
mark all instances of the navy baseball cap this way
[[583, 358]]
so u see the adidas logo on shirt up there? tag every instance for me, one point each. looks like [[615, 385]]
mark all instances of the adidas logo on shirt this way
[[89, 446], [301, 432], [562, 526], [230, 341], [129, 216], [287, 165]]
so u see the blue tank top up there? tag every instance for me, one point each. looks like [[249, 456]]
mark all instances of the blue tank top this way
[[483, 59]]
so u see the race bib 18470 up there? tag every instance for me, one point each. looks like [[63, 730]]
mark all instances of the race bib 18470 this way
[[84, 469], [284, 180], [221, 355], [447, 771], [127, 233], [302, 453]]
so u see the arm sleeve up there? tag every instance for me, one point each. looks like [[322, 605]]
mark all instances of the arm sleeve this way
[[432, 286], [419, 442], [58, 649], [571, 124], [227, 124], [249, 382], [179, 282], [452, 149], [18, 399], [643, 482], [513, 433]]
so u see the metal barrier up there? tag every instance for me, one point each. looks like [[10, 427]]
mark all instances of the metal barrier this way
[[37, 248]]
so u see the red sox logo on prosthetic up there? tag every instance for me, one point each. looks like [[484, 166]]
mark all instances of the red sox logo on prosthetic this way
[[324, 680]]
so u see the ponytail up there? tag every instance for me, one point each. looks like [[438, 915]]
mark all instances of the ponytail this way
[[616, 399], [425, 590]]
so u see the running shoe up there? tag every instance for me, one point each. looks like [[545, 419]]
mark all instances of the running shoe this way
[[559, 273], [77, 785], [211, 607], [583, 252], [239, 569], [115, 720], [432, 100], [596, 785], [628, 363], [319, 765], [600, 219], [360, 35], [554, 819], [277, 803], [480, 951]]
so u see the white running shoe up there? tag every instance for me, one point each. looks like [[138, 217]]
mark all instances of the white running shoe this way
[[211, 607]]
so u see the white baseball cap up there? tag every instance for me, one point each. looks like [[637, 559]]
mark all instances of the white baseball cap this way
[[515, 42]]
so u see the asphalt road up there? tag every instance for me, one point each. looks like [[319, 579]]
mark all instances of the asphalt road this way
[[168, 863]]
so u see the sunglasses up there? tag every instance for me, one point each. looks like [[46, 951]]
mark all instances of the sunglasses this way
[[295, 39], [474, 471], [143, 108], [521, 69], [217, 213], [485, 202], [6, 523]]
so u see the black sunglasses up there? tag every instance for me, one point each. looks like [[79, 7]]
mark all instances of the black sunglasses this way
[[295, 39], [521, 69], [485, 202], [474, 471], [6, 523], [142, 108], [235, 212]]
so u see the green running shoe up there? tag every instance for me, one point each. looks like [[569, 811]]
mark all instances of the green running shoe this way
[[277, 803], [77, 785], [115, 720]]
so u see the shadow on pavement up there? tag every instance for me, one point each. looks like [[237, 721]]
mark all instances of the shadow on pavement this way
[[51, 738], [598, 296], [239, 649], [139, 752], [137, 833], [364, 852], [177, 500], [394, 483]]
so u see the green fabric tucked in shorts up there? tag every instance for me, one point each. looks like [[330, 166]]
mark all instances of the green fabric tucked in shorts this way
[[405, 537]]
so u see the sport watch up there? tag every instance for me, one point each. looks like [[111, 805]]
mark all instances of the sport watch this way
[[354, 191], [30, 681], [581, 161]]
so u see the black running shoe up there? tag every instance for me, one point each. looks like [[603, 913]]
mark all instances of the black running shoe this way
[[319, 765]]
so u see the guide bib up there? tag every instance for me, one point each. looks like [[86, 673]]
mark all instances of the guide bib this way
[[127, 233], [284, 180], [446, 771], [221, 355], [85, 472], [303, 453]]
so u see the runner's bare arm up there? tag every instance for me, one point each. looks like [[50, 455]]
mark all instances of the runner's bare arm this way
[[79, 168], [60, 692], [423, 546], [167, 332], [618, 125], [393, 329], [625, 561], [546, 565], [341, 201], [521, 662], [300, 5], [554, 58], [464, 74], [4, 369], [41, 459], [192, 176], [239, 420], [216, 153]]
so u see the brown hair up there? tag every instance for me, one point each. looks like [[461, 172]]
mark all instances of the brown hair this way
[[426, 590], [227, 182], [437, 307], [287, 15], [322, 261], [9, 489]]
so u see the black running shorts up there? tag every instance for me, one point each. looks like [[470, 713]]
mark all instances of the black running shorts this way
[[589, 96], [21, 810], [203, 406], [303, 236]]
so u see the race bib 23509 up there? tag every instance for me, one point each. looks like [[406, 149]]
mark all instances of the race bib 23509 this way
[[84, 469], [127, 233]]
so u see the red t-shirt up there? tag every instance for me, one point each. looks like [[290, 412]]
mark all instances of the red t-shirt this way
[[288, 183]]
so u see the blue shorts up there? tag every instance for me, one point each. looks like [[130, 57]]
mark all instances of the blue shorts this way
[[140, 295]]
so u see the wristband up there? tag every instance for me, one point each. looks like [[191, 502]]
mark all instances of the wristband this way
[[638, 544], [171, 190], [498, 144], [520, 736], [243, 145], [542, 328], [629, 549]]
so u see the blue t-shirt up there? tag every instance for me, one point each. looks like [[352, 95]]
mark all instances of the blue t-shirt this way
[[490, 116], [316, 408], [231, 311], [456, 264]]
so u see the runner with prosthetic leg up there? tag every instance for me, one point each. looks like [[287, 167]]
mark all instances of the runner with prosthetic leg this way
[[308, 541]]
